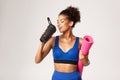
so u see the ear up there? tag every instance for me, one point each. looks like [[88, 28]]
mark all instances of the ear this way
[[71, 23]]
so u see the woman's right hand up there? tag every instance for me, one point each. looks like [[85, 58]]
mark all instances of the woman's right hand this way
[[43, 50]]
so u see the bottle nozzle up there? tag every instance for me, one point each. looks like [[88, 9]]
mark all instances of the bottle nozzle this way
[[49, 21]]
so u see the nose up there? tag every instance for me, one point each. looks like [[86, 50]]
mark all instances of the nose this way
[[58, 24]]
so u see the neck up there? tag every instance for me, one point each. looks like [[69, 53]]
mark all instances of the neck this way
[[68, 35]]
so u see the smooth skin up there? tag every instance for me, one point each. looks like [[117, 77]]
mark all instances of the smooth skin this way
[[66, 42]]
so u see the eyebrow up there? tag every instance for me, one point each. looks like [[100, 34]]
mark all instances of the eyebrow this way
[[61, 19]]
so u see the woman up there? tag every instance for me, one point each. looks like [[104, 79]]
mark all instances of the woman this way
[[66, 47]]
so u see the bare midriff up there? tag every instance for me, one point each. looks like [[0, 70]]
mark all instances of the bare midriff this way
[[61, 67]]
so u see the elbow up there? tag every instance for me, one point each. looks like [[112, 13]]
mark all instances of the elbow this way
[[37, 61]]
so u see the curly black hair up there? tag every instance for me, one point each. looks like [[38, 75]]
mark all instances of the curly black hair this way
[[72, 13]]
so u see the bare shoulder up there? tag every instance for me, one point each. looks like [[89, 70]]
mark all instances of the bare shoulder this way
[[52, 41], [52, 38]]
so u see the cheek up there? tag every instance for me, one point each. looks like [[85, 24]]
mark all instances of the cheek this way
[[64, 28], [64, 25]]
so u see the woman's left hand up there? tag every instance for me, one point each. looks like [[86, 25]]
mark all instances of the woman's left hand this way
[[84, 59]]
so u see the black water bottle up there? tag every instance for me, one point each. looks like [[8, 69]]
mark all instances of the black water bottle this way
[[48, 32]]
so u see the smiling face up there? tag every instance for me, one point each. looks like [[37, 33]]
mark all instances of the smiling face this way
[[63, 23]]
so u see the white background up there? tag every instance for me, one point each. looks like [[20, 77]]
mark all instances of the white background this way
[[22, 22]]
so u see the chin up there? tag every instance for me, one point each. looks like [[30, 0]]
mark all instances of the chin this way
[[61, 31]]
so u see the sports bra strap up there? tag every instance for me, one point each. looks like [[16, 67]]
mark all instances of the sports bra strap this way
[[76, 42]]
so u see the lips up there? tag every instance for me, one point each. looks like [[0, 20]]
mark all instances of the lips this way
[[59, 27]]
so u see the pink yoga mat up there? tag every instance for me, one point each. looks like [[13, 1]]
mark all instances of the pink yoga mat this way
[[86, 45], [80, 67]]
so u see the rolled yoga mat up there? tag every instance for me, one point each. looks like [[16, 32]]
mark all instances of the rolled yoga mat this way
[[86, 45]]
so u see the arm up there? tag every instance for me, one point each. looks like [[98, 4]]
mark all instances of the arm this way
[[43, 50], [84, 47]]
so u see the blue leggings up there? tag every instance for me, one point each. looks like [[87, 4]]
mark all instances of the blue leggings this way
[[66, 76]]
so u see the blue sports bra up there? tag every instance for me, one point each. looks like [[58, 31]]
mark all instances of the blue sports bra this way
[[70, 57]]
